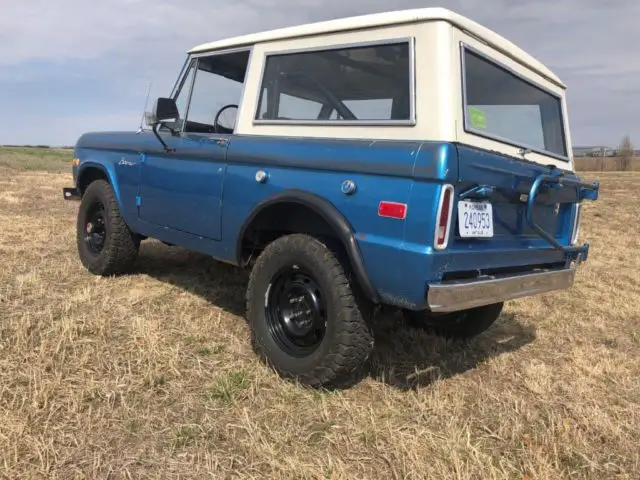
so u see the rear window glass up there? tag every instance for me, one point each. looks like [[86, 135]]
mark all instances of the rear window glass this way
[[505, 107]]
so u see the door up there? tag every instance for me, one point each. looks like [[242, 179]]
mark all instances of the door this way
[[182, 189]]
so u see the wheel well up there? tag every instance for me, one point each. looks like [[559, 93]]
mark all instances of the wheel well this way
[[301, 212], [285, 218], [88, 175]]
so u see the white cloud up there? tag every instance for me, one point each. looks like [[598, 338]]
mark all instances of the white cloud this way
[[81, 29], [571, 31], [591, 44]]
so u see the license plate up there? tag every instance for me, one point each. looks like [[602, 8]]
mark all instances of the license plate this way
[[475, 219]]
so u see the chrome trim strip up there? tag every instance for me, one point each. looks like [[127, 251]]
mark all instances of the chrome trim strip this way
[[180, 83], [340, 123], [179, 80], [457, 295], [225, 51], [195, 64]]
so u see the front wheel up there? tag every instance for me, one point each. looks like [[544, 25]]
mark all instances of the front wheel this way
[[456, 325], [305, 318], [105, 244]]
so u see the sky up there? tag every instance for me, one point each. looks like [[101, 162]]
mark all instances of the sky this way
[[71, 66]]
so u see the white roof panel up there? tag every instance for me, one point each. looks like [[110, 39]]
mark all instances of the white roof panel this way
[[385, 19]]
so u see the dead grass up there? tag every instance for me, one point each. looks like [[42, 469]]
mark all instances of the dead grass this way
[[151, 375]]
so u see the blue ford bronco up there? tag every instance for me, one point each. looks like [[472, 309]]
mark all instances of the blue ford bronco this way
[[412, 159]]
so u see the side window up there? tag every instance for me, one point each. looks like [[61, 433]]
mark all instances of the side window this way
[[289, 107], [292, 107], [376, 108], [347, 84], [216, 93]]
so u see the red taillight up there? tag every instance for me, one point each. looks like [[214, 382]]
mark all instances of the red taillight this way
[[443, 218], [392, 210]]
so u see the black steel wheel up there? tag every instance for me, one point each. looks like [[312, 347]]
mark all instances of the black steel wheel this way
[[95, 228], [296, 313], [307, 321], [105, 243]]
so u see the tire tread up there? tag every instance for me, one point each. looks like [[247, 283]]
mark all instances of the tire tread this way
[[354, 338], [122, 245]]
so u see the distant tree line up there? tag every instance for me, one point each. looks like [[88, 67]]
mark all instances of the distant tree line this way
[[624, 147], [27, 146], [621, 158], [35, 146]]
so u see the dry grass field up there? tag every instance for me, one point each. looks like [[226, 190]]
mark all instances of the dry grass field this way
[[609, 164], [151, 375]]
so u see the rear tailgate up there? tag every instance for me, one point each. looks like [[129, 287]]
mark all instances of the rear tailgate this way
[[506, 184]]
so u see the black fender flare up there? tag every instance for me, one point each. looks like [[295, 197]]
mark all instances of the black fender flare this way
[[87, 166], [332, 216]]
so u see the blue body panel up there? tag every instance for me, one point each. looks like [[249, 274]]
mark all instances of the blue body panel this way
[[191, 201], [200, 195]]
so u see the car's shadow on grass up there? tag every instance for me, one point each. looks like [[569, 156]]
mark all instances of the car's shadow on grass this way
[[218, 283], [409, 358], [403, 357]]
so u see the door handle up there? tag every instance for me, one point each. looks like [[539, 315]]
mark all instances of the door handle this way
[[221, 141]]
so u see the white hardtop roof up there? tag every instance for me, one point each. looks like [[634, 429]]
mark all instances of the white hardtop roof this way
[[386, 19]]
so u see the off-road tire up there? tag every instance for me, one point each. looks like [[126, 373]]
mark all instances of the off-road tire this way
[[465, 324], [120, 245], [348, 339]]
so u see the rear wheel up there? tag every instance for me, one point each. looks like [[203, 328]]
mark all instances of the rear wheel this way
[[105, 243], [456, 325], [306, 320]]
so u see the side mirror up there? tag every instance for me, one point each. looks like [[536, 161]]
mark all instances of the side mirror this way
[[164, 109]]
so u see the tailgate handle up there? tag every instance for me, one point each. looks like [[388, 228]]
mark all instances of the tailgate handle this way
[[479, 191]]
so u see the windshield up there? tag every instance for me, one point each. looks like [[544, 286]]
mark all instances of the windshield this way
[[505, 107]]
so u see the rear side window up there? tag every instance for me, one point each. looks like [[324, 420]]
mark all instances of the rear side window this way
[[503, 106], [358, 84]]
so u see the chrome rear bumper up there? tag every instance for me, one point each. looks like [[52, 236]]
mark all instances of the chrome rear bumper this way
[[456, 295]]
